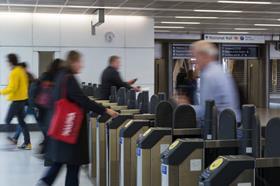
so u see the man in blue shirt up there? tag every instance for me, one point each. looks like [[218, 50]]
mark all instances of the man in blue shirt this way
[[215, 84]]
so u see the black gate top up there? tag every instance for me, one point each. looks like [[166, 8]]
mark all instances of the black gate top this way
[[164, 114], [272, 147], [144, 104], [131, 99], [154, 103], [139, 100], [184, 117], [113, 95], [121, 97], [162, 96], [227, 125]]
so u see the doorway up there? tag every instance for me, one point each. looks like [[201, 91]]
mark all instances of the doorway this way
[[274, 83], [45, 59], [246, 74]]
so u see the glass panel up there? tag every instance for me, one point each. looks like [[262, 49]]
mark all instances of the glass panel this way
[[274, 83]]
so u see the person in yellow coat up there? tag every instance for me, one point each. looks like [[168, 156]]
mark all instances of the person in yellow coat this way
[[17, 92]]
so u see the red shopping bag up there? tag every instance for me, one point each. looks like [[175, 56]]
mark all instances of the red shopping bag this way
[[66, 121]]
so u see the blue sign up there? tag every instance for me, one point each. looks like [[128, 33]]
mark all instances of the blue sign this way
[[181, 51], [164, 169], [240, 51], [138, 152], [97, 124], [121, 140]]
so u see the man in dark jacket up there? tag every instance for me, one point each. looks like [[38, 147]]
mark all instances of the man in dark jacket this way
[[111, 77]]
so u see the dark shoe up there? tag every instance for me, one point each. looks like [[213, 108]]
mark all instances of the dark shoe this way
[[12, 140], [25, 146]]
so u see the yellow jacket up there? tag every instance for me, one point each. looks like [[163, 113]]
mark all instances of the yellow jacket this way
[[17, 88]]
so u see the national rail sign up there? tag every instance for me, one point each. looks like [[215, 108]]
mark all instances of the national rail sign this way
[[215, 38]]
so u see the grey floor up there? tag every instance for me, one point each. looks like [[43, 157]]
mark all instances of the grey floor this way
[[21, 168]]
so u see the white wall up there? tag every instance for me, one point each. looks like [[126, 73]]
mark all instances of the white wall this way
[[26, 34]]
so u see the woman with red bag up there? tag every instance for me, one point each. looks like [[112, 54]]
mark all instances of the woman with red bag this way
[[73, 155]]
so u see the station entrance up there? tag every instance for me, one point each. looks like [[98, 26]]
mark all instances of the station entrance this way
[[245, 65]]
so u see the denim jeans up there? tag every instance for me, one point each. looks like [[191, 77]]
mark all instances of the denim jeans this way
[[72, 175], [17, 110], [28, 111]]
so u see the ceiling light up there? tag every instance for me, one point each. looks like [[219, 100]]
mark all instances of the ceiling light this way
[[162, 30], [250, 29], [233, 32], [247, 2], [181, 23], [267, 24], [169, 27], [194, 17], [222, 11]]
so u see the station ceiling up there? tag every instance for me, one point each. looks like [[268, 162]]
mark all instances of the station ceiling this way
[[176, 16]]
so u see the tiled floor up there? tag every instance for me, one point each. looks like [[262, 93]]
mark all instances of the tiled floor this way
[[21, 168]]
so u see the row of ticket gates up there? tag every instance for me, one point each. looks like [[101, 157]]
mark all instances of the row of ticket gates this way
[[91, 89], [154, 142]]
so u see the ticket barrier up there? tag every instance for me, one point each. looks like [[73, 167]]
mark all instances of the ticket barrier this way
[[248, 170], [93, 121], [185, 159], [149, 147], [163, 117], [102, 134], [184, 124], [113, 134], [128, 139], [112, 143]]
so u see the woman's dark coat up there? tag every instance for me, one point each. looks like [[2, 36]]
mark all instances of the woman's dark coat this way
[[61, 152]]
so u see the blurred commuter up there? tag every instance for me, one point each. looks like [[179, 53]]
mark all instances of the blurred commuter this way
[[191, 86], [41, 93], [111, 77], [181, 79], [215, 84], [29, 109], [17, 93], [31, 77], [73, 155]]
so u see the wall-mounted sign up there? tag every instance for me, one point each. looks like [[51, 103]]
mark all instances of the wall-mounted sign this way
[[234, 38], [181, 51], [240, 51]]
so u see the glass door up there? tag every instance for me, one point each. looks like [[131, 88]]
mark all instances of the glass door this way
[[274, 83]]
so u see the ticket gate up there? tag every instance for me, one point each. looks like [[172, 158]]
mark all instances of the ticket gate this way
[[149, 147], [112, 143], [100, 150], [248, 170], [185, 159], [128, 138], [158, 140], [128, 171], [224, 170], [93, 122]]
